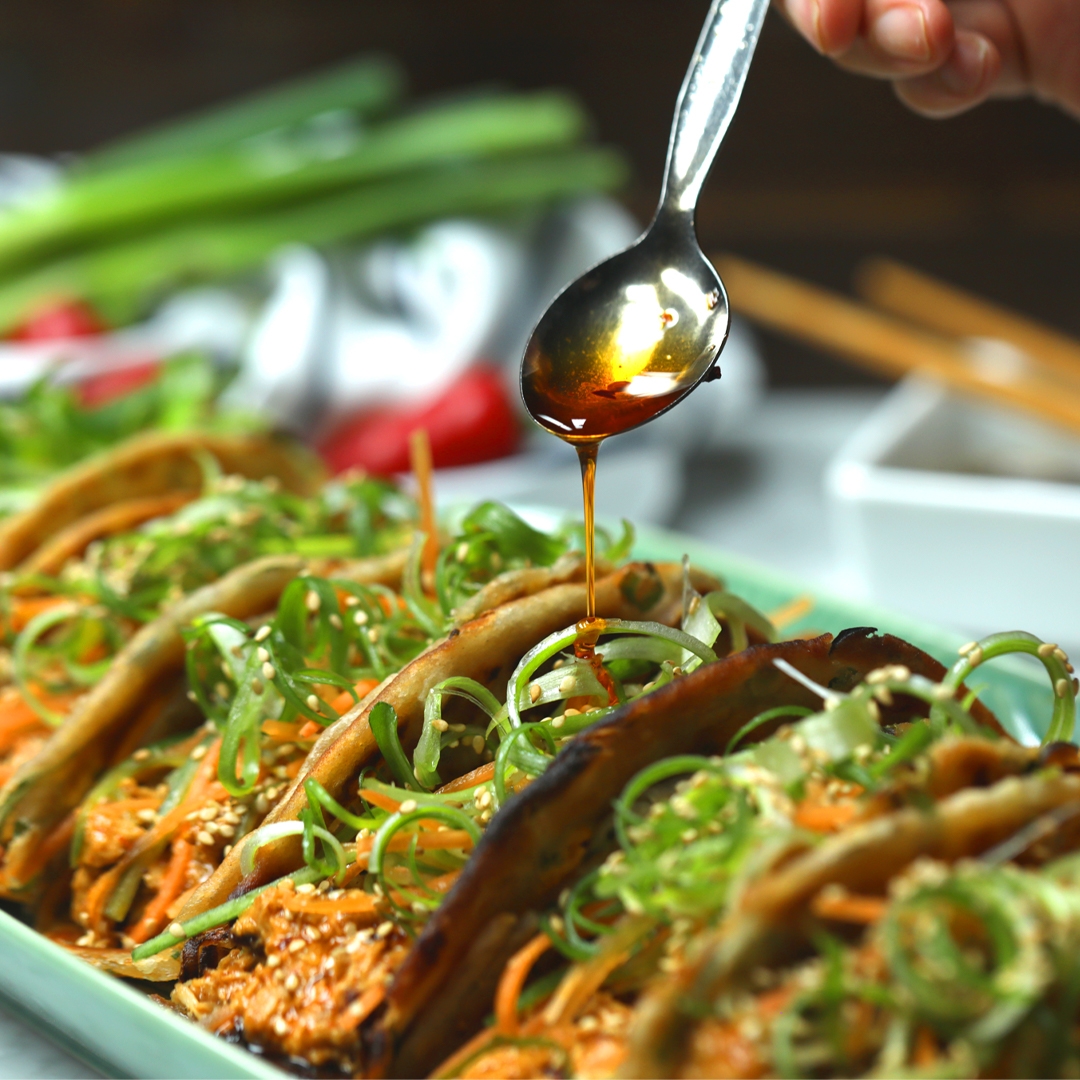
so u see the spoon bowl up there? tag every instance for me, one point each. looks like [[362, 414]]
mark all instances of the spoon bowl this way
[[626, 341], [637, 333]]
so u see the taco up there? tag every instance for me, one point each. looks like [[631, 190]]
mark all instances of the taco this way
[[95, 648], [717, 869], [144, 468], [361, 846], [267, 679]]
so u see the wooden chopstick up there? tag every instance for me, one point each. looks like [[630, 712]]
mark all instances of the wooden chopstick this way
[[883, 343], [939, 306]]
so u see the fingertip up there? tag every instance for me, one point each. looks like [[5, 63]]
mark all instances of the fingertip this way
[[965, 78], [838, 24]]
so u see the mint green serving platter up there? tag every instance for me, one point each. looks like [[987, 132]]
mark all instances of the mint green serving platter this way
[[118, 1030]]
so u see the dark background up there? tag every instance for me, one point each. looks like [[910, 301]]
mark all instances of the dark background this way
[[820, 169]]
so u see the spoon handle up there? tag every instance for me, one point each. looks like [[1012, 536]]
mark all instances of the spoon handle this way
[[709, 96]]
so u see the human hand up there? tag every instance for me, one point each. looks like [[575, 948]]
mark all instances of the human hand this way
[[944, 57]]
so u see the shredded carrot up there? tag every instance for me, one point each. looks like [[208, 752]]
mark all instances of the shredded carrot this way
[[513, 981], [281, 732], [310, 730], [420, 458], [203, 784], [172, 884], [55, 842], [292, 770], [356, 904], [848, 907], [383, 802], [17, 719], [24, 608], [925, 1051], [479, 775], [792, 611], [825, 817], [344, 701]]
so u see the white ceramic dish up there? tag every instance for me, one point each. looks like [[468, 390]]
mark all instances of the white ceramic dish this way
[[961, 513]]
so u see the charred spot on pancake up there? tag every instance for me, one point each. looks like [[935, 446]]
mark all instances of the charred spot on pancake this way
[[453, 633], [204, 952], [1063, 755], [852, 631]]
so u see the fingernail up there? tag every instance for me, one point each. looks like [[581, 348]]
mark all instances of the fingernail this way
[[901, 33], [963, 73]]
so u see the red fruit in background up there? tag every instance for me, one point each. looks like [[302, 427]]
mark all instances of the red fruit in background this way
[[63, 319], [470, 421], [100, 389]]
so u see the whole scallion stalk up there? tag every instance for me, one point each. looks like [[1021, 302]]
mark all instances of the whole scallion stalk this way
[[364, 86], [122, 278], [279, 172]]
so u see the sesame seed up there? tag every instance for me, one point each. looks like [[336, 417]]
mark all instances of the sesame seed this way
[[297, 945], [571, 712], [462, 552], [455, 744], [262, 804], [384, 929], [268, 672], [1061, 687], [478, 743], [263, 655], [198, 753], [273, 960], [257, 686], [312, 601], [457, 727], [204, 838], [141, 755], [292, 981], [1046, 649], [208, 813], [967, 647], [312, 701], [352, 601], [192, 696], [484, 801], [408, 806], [901, 673], [177, 930], [281, 1027], [534, 693], [221, 689], [360, 617], [334, 620], [227, 848], [262, 633], [228, 831], [558, 721], [692, 607], [567, 684], [558, 664], [1061, 654], [439, 724], [147, 815], [975, 657], [305, 889], [373, 634]]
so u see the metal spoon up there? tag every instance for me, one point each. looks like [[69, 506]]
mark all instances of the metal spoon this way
[[638, 332]]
